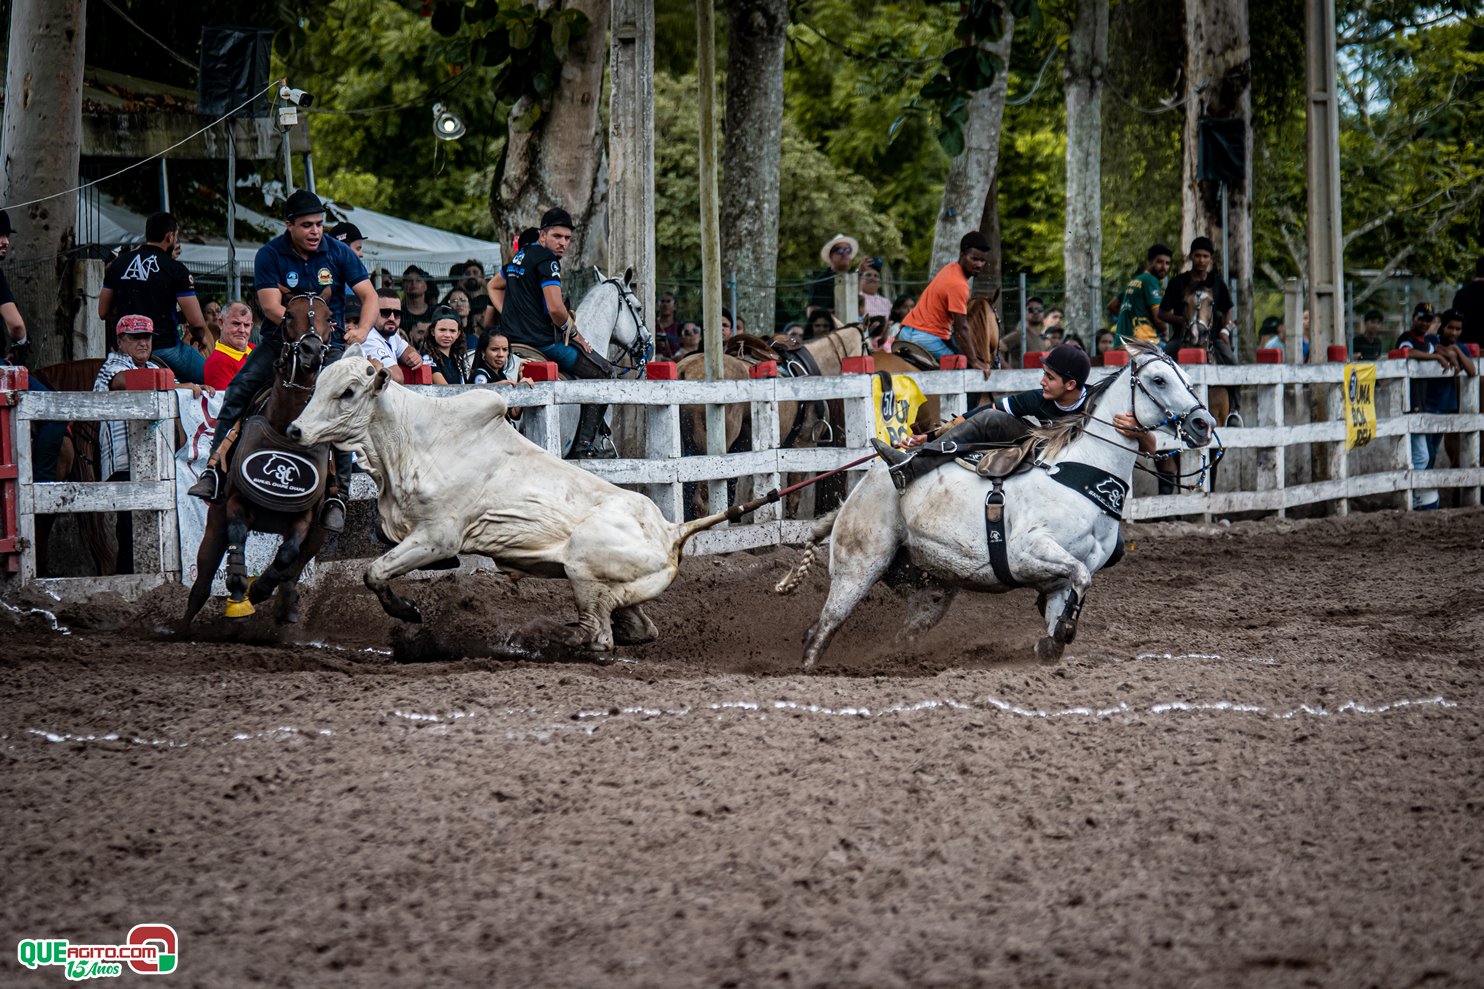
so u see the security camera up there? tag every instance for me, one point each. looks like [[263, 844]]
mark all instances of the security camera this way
[[296, 96]]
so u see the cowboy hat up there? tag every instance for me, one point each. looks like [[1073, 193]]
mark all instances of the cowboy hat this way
[[824, 252]]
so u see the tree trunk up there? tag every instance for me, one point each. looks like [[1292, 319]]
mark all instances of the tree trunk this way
[[753, 135], [1218, 64], [631, 149], [991, 280], [562, 160], [41, 137], [1087, 61], [971, 173]]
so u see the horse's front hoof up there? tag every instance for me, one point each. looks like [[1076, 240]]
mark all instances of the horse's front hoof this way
[[1048, 650], [406, 611], [239, 610], [1064, 632]]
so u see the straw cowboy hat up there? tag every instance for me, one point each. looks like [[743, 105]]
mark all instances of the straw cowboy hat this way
[[855, 247]]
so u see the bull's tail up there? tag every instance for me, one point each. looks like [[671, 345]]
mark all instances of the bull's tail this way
[[821, 531], [685, 530]]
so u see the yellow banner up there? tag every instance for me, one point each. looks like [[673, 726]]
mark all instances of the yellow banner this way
[[896, 406], [1360, 404]]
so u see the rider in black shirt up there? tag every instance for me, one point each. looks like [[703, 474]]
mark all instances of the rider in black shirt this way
[[527, 292]]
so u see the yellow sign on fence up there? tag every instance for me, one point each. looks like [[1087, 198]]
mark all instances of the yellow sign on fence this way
[[897, 400], [1360, 404]]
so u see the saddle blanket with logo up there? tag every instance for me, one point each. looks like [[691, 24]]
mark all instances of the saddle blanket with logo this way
[[1093, 483], [272, 471]]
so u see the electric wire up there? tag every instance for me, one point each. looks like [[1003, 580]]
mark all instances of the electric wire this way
[[168, 50]]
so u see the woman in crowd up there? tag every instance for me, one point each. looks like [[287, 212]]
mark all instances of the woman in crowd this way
[[447, 351], [872, 302], [457, 300], [494, 364], [821, 324], [417, 297], [1101, 346]]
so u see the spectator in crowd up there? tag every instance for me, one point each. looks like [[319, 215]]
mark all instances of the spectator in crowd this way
[[872, 302], [134, 335], [1422, 345], [1052, 337], [350, 235], [876, 328], [15, 326], [726, 325], [148, 281], [740, 324], [838, 253], [1075, 341], [447, 350], [202, 339], [1442, 393], [1270, 336], [211, 311], [1054, 320], [666, 328], [384, 346], [821, 324], [1029, 331], [1177, 308], [494, 363], [1137, 308], [231, 351], [472, 280], [1369, 346], [794, 331], [1469, 303], [939, 323], [418, 296], [690, 339], [459, 302], [385, 279], [901, 306], [1101, 345]]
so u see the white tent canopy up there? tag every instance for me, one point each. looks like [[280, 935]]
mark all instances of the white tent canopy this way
[[391, 242]]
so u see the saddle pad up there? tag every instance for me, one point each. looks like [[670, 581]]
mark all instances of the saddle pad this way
[[274, 473]]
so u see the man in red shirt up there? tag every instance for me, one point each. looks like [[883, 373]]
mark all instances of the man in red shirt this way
[[939, 323], [232, 349]]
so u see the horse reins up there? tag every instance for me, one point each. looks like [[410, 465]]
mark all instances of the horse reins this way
[[638, 351], [290, 353]]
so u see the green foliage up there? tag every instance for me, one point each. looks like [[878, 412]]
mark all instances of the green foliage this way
[[819, 197]]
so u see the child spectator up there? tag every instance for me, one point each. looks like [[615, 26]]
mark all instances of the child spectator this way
[[447, 352], [458, 301], [1369, 346]]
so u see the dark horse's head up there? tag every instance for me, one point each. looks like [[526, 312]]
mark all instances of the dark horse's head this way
[[306, 332]]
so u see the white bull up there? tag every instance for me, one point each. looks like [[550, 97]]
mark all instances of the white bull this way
[[454, 476]]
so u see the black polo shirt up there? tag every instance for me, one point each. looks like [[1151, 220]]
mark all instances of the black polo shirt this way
[[525, 319], [147, 281]]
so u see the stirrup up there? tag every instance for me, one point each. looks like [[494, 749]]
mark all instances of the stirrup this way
[[332, 514], [1234, 421], [208, 485]]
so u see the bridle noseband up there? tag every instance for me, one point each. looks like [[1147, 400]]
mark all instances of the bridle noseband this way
[[635, 355], [292, 362], [1170, 418]]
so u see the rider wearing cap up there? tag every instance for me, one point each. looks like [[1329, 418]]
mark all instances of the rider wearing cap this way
[[1063, 392], [527, 293], [304, 260]]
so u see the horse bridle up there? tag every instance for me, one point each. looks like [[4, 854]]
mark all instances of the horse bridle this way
[[1170, 418], [291, 352], [636, 353]]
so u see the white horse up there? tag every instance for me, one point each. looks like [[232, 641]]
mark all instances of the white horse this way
[[1061, 518], [611, 319]]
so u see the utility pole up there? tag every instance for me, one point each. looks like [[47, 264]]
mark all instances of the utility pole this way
[[631, 148], [1322, 127], [716, 424]]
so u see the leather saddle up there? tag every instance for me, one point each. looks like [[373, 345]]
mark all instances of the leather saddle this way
[[998, 463], [273, 472], [914, 354]]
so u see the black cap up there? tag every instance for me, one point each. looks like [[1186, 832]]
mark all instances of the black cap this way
[[348, 232], [5, 228], [1422, 309], [1070, 362], [1202, 244], [557, 217], [302, 203]]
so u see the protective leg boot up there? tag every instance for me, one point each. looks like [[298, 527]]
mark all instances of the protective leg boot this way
[[208, 485]]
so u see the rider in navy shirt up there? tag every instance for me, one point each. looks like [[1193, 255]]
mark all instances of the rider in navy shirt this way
[[303, 260]]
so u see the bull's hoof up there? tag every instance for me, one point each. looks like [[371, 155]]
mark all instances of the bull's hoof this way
[[1048, 650], [239, 610]]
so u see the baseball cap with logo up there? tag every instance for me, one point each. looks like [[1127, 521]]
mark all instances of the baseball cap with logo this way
[[131, 325], [1422, 309]]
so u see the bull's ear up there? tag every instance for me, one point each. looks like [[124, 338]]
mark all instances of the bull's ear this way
[[382, 377]]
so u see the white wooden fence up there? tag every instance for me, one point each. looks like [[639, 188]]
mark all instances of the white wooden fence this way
[[1272, 445]]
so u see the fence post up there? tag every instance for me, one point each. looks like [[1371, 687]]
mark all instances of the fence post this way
[[152, 458], [1337, 461], [1293, 320], [765, 436], [17, 528], [1399, 396], [847, 302], [1468, 442], [662, 443], [1271, 466]]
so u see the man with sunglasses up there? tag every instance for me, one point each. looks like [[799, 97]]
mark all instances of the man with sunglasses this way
[[303, 260], [384, 346]]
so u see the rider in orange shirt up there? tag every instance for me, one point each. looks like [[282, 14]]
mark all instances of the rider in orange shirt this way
[[939, 323]]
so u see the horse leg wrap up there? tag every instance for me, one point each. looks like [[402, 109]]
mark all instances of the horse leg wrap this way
[[1066, 625]]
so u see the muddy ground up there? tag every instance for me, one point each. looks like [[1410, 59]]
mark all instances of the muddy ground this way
[[1259, 765]]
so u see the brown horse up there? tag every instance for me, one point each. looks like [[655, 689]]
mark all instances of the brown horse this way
[[271, 465]]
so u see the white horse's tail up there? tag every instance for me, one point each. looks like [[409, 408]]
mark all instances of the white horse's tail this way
[[821, 531]]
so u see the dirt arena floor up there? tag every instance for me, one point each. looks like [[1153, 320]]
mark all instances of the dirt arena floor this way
[[1259, 765]]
